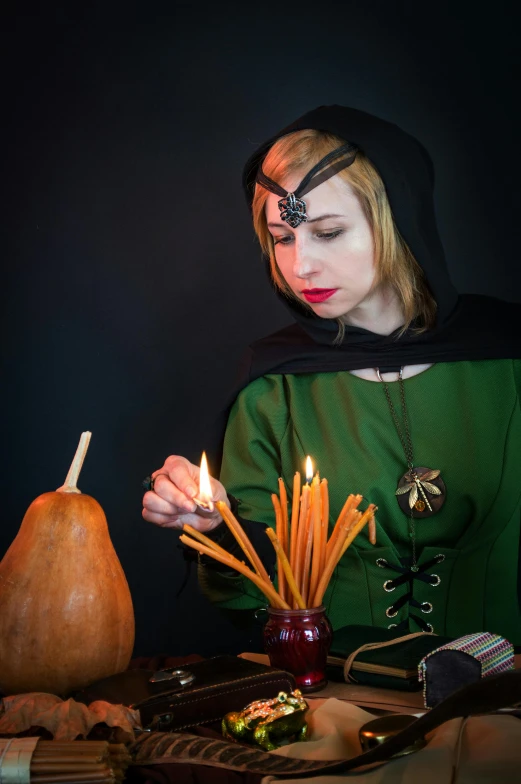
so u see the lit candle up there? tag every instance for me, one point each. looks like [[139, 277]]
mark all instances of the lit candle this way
[[316, 536], [309, 470], [204, 500], [312, 537]]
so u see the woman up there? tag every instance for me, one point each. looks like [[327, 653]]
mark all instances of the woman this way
[[389, 380]]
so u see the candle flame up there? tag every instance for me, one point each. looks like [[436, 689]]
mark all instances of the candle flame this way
[[205, 488], [309, 469]]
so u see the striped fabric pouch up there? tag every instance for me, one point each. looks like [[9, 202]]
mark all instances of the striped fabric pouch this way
[[461, 662]]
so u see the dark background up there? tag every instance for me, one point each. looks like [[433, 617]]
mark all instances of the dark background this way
[[132, 280]]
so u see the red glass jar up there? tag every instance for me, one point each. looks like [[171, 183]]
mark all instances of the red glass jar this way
[[298, 641]]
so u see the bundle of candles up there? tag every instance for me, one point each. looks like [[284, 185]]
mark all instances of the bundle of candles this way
[[306, 558], [74, 761]]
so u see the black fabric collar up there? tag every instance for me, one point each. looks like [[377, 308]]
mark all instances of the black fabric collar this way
[[480, 327]]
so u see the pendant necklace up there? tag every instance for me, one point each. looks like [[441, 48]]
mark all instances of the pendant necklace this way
[[421, 491]]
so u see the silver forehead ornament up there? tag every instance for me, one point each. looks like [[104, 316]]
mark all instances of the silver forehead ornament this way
[[291, 205]]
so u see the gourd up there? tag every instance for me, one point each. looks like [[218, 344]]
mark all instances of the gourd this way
[[66, 615]]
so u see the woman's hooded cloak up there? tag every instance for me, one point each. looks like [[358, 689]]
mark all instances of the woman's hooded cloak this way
[[467, 326]]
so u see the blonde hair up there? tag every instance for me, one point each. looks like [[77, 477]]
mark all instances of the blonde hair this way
[[394, 261]]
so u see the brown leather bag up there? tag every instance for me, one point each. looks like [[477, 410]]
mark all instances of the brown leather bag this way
[[196, 693]]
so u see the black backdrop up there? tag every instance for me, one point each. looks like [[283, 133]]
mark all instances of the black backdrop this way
[[131, 278]]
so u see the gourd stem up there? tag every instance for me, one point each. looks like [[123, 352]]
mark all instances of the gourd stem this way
[[70, 485]]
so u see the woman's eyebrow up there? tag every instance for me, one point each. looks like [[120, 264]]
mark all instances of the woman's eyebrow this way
[[323, 217], [309, 220]]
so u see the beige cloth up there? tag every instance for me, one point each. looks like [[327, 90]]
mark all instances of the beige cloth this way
[[477, 750]]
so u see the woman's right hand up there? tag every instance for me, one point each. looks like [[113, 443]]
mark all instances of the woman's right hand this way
[[170, 504]]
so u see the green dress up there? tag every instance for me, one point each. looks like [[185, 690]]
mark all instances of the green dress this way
[[465, 419]]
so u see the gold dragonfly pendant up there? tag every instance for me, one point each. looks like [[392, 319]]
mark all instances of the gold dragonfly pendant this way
[[418, 485]]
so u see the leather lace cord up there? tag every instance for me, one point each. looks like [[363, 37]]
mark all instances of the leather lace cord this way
[[408, 575]]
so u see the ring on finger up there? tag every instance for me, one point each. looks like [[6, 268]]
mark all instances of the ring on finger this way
[[149, 481]]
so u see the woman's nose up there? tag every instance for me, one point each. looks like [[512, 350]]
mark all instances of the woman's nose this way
[[303, 263]]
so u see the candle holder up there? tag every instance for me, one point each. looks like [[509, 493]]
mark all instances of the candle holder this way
[[297, 635], [298, 641]]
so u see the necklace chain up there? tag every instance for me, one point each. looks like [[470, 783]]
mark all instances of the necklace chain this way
[[406, 443]]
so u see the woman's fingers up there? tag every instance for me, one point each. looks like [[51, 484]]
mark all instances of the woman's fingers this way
[[155, 504], [167, 496], [171, 502], [177, 521], [183, 474]]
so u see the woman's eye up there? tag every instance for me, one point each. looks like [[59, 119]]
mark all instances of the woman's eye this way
[[282, 240], [329, 235]]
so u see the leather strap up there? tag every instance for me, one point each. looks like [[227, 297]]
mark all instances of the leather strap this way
[[371, 646]]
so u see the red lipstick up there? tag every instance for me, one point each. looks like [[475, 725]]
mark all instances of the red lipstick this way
[[318, 295]]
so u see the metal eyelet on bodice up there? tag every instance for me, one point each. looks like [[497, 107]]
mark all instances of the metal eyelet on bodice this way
[[392, 626], [407, 577]]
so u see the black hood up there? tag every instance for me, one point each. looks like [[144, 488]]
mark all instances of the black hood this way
[[408, 175], [466, 326]]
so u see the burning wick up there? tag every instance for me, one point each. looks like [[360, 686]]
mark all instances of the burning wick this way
[[309, 470], [204, 502]]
